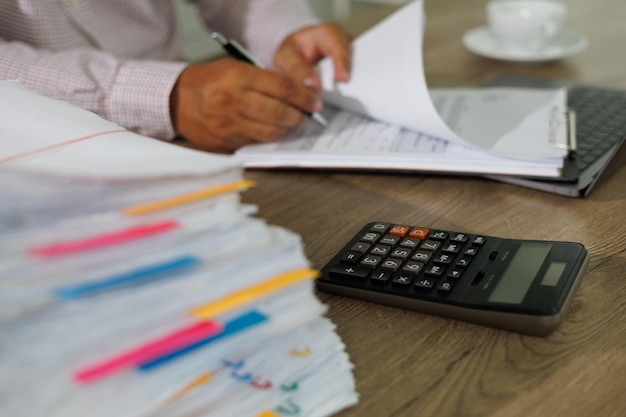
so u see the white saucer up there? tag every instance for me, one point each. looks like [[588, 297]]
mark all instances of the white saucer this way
[[565, 44]]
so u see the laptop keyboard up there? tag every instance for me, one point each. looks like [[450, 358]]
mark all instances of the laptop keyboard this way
[[600, 120]]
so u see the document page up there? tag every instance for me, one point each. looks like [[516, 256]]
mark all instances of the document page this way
[[519, 122], [352, 141], [388, 84], [44, 135]]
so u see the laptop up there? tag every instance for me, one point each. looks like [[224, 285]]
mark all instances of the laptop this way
[[600, 135]]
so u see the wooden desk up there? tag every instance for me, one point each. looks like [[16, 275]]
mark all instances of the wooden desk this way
[[411, 364]]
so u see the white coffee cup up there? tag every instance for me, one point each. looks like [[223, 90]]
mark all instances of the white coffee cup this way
[[525, 25]]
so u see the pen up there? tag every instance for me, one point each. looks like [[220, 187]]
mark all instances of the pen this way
[[238, 51]]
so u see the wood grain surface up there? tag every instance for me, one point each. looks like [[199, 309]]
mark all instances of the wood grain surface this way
[[412, 364]]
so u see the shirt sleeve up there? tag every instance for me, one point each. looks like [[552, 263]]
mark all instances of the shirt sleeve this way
[[261, 25], [132, 93]]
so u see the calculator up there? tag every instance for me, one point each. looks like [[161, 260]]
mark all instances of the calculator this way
[[524, 286]]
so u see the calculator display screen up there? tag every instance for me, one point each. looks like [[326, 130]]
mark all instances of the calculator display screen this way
[[520, 273]]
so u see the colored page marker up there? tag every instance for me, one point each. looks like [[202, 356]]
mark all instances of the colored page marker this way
[[187, 198], [148, 351], [139, 276], [108, 239], [234, 326], [253, 292]]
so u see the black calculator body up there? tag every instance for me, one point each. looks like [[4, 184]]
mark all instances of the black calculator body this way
[[523, 286]]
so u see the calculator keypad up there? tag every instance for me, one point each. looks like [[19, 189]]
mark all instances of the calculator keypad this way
[[407, 258], [454, 275]]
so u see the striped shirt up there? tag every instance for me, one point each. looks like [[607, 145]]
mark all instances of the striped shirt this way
[[121, 58]]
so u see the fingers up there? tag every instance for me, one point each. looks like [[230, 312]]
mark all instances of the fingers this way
[[337, 44], [291, 61], [301, 51], [279, 99], [227, 104], [251, 132], [223, 134]]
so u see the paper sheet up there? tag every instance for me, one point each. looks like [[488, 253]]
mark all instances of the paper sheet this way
[[388, 84], [352, 141], [44, 135]]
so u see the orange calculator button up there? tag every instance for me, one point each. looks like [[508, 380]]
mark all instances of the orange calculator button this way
[[399, 230], [419, 233]]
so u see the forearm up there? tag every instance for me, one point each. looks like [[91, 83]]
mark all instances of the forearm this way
[[133, 94], [260, 24]]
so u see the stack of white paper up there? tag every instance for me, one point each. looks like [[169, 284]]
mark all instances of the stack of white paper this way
[[135, 283]]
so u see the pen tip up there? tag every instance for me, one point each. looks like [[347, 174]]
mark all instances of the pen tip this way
[[319, 119]]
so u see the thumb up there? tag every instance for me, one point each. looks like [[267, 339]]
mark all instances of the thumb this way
[[294, 64]]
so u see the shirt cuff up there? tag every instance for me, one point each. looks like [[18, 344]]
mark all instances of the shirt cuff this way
[[140, 98]]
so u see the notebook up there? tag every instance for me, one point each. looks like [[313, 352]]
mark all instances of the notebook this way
[[600, 114]]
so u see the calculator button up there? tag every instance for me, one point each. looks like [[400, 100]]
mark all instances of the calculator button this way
[[391, 264], [370, 237], [380, 277], [463, 262], [402, 280], [430, 245], [371, 261], [452, 248], [360, 247], [379, 228], [380, 250], [422, 256], [420, 233], [459, 237], [443, 258], [350, 258], [401, 253], [389, 240], [413, 267], [425, 284], [455, 274], [410, 242], [471, 251], [349, 272], [399, 230], [439, 235], [434, 271], [478, 241], [445, 287]]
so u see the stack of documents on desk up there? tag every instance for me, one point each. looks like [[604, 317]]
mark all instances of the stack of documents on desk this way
[[386, 118], [134, 282]]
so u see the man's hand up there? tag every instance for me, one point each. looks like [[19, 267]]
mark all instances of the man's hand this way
[[226, 104], [300, 51]]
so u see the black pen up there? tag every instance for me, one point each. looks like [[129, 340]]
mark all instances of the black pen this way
[[238, 51]]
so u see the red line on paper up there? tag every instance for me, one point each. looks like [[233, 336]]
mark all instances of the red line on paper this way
[[58, 145]]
